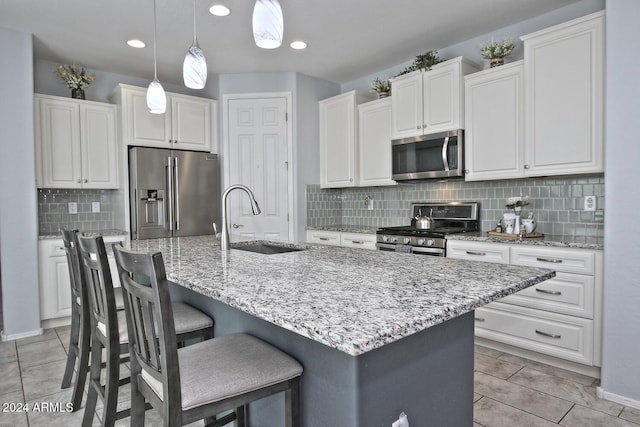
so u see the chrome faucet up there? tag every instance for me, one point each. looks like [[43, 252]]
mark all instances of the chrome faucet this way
[[255, 209]]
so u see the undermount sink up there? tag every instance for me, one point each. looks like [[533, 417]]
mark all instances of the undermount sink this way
[[265, 248]]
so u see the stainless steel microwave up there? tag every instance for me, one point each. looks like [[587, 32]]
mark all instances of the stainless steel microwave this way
[[438, 155]]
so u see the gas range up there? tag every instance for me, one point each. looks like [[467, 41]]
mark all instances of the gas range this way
[[446, 218]]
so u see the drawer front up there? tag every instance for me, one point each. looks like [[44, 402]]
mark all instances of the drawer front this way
[[358, 240], [569, 261], [566, 293], [557, 335], [324, 237], [56, 248], [474, 251]]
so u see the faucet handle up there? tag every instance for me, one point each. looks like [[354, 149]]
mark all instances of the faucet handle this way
[[215, 231]]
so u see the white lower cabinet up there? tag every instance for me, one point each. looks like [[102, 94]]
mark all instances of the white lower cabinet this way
[[344, 239], [560, 317], [55, 285]]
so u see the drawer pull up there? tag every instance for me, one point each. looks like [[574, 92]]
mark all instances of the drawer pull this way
[[476, 253], [323, 238], [553, 260], [61, 248], [479, 319], [358, 242], [546, 334], [544, 291]]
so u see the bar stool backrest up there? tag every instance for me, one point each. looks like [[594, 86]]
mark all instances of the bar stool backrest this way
[[76, 274], [151, 327]]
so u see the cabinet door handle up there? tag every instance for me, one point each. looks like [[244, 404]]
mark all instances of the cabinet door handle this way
[[79, 181], [544, 291], [476, 253], [323, 238], [86, 180], [552, 260], [358, 242], [526, 166], [479, 319], [547, 334]]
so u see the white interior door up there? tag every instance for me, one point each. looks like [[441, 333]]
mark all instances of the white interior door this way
[[258, 158]]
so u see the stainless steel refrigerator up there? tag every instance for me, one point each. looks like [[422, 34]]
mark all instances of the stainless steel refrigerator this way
[[173, 193]]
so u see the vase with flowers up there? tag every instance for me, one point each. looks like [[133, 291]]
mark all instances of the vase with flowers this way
[[381, 87], [76, 78], [516, 203], [495, 51]]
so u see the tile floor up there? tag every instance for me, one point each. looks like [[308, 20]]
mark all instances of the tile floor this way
[[509, 391]]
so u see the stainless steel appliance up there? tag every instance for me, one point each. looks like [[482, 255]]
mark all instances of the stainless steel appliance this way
[[173, 193], [439, 155], [446, 218]]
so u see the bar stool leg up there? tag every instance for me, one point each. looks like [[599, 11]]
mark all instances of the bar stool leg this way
[[73, 349], [84, 349], [94, 383]]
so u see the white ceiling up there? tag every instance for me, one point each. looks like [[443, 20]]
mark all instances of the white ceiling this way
[[347, 38]]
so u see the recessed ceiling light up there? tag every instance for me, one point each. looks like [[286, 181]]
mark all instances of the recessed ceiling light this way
[[139, 44], [219, 10], [298, 44]]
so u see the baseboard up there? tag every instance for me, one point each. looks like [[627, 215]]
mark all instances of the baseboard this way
[[12, 337], [602, 394], [56, 323], [591, 371]]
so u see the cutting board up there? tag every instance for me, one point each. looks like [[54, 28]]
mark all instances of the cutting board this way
[[532, 235]]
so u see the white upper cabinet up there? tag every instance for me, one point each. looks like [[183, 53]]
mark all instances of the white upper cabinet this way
[[374, 143], [564, 81], [188, 123], [425, 102], [541, 116], [494, 130], [76, 145], [339, 140]]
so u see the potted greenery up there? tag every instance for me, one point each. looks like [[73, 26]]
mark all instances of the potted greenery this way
[[76, 78], [495, 51], [423, 62], [381, 87]]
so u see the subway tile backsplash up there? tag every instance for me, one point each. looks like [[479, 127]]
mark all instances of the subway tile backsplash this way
[[557, 203], [53, 210]]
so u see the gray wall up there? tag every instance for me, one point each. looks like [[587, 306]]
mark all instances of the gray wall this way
[[18, 211], [621, 352]]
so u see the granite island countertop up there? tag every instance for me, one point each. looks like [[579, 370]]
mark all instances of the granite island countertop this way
[[110, 232], [352, 300], [345, 228]]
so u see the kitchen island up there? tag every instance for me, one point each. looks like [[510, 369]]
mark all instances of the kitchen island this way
[[376, 332]]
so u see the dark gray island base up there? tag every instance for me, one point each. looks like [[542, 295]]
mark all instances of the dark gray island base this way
[[428, 375], [377, 333]]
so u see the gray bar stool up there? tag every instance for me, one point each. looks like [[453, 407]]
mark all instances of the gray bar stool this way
[[195, 382], [109, 331]]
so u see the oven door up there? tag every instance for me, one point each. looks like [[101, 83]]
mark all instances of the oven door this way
[[417, 250], [427, 156]]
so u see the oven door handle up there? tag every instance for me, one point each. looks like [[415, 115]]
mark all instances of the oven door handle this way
[[445, 153]]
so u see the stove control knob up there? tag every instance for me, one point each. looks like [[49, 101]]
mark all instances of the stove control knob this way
[[421, 241], [430, 242], [407, 240], [385, 238], [393, 239]]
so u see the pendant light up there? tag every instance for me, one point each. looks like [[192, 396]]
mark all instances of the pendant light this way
[[156, 98], [194, 68], [268, 24]]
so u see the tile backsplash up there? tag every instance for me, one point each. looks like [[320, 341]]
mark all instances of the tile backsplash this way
[[557, 203], [53, 210]]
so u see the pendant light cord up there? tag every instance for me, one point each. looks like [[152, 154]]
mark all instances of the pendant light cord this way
[[195, 39], [155, 66]]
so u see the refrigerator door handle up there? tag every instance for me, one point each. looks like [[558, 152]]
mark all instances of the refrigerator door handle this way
[[169, 176], [177, 193]]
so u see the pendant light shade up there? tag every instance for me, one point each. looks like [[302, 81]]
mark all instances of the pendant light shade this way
[[156, 98], [194, 68], [268, 24]]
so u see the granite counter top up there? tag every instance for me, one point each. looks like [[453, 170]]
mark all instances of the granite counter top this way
[[348, 299], [593, 243], [114, 232], [347, 228]]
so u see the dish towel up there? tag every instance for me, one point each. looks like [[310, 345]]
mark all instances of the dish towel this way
[[405, 249]]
